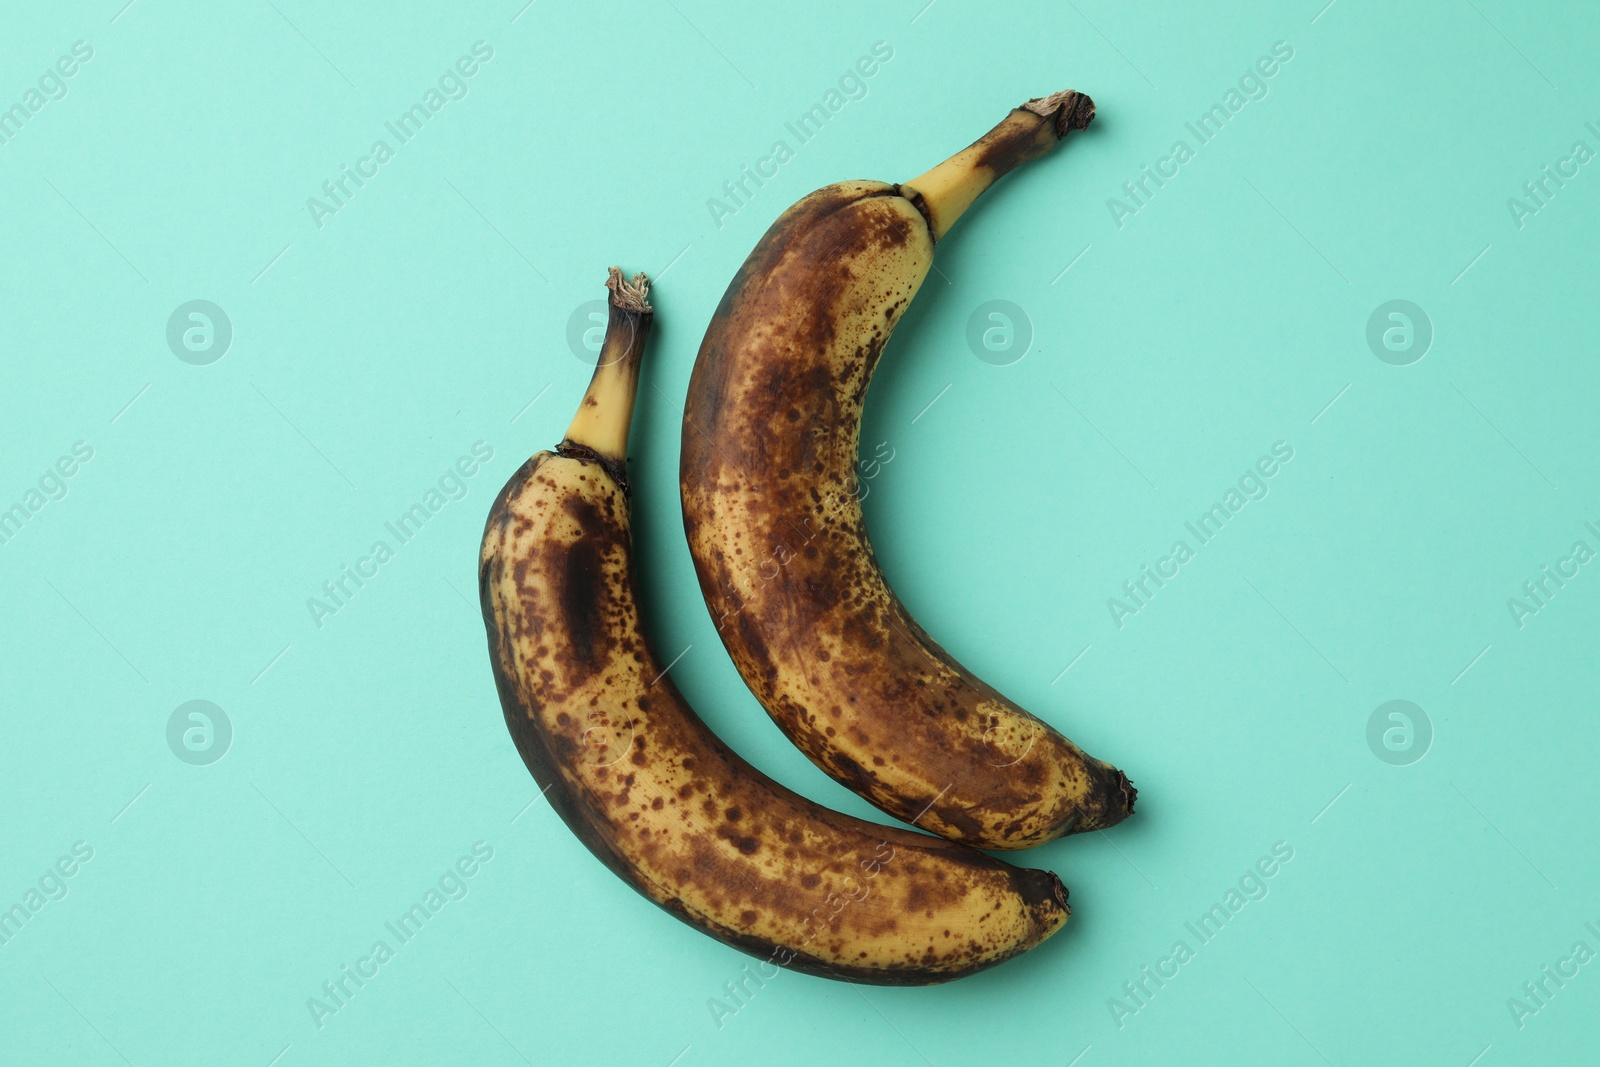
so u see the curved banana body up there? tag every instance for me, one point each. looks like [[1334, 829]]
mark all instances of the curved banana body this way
[[655, 795], [773, 514]]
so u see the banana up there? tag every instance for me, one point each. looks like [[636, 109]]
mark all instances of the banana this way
[[771, 505], [653, 793]]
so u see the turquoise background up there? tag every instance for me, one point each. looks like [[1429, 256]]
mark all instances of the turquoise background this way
[[1228, 313]]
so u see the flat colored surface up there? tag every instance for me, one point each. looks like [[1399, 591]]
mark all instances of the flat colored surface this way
[[1432, 478]]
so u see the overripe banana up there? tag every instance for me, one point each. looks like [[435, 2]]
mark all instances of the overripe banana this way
[[653, 793], [771, 505]]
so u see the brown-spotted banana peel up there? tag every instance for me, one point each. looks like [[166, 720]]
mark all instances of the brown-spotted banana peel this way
[[771, 505], [646, 786]]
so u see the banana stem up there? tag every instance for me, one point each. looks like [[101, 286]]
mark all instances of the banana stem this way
[[601, 424], [1028, 132]]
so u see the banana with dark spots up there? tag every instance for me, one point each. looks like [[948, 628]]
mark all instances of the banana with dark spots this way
[[654, 794], [771, 505]]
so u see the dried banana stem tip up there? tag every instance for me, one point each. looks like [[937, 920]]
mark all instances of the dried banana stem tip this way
[[1070, 109], [1027, 132], [601, 424], [630, 296]]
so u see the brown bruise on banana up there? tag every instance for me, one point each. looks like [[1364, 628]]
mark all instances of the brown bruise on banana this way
[[679, 816], [771, 509]]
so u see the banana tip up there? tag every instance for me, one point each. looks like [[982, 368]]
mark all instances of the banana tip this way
[[629, 295], [1068, 109], [1042, 889]]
